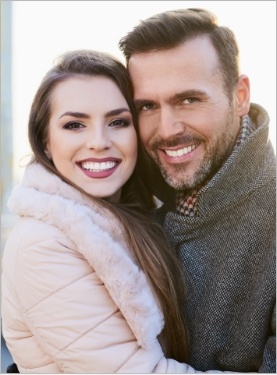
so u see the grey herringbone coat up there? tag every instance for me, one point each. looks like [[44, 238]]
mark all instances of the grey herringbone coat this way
[[228, 252]]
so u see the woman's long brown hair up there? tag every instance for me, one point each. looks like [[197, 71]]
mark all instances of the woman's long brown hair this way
[[145, 238]]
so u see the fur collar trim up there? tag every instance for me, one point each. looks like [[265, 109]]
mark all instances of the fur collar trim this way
[[98, 237]]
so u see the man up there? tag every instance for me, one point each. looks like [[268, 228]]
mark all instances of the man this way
[[211, 146]]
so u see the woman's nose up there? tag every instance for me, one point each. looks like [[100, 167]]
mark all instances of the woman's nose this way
[[98, 138]]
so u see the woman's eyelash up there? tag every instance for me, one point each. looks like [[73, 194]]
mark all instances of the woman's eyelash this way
[[117, 123], [120, 123], [73, 125]]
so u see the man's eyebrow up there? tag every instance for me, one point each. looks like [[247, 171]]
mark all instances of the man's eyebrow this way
[[180, 95], [188, 93], [141, 102]]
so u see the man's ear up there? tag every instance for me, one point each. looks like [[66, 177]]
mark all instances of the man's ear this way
[[242, 95]]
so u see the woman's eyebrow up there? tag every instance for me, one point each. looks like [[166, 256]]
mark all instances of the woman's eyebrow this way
[[113, 112], [117, 111], [75, 114]]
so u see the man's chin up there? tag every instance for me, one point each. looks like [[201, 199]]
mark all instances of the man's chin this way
[[183, 182], [177, 184]]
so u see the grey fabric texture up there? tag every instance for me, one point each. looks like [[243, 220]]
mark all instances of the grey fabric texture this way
[[228, 253]]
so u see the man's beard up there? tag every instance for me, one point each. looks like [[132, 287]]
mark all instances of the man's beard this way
[[215, 156]]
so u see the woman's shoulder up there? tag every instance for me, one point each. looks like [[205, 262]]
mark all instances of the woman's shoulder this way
[[28, 231], [33, 242], [39, 257]]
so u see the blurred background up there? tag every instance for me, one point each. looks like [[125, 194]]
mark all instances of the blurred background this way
[[34, 33]]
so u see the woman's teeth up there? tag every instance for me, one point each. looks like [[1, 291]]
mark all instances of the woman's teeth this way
[[98, 167]]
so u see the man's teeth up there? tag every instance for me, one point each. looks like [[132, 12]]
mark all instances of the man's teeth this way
[[181, 152], [98, 167]]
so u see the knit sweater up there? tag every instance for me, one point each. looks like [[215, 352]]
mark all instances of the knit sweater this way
[[228, 253]]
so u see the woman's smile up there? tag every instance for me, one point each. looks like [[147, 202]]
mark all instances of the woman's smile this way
[[99, 168]]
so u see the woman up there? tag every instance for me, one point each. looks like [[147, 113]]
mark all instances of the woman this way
[[89, 284]]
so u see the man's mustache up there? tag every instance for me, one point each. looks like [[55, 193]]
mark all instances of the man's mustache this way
[[176, 141]]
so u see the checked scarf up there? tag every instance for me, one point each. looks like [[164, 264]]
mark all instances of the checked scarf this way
[[186, 205]]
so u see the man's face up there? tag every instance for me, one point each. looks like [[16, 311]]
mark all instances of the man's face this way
[[187, 123]]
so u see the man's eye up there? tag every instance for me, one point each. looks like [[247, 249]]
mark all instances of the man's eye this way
[[73, 125], [145, 107], [190, 100]]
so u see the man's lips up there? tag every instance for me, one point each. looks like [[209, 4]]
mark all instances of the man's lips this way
[[180, 151], [177, 154]]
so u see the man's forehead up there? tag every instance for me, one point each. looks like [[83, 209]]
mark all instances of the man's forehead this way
[[174, 71]]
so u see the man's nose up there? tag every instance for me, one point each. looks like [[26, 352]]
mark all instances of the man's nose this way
[[170, 123]]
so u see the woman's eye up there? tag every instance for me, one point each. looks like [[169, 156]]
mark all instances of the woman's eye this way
[[119, 123], [73, 125]]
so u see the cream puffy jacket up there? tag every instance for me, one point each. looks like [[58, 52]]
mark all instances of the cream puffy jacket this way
[[73, 300]]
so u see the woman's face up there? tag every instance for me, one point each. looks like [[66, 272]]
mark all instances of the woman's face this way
[[91, 137]]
